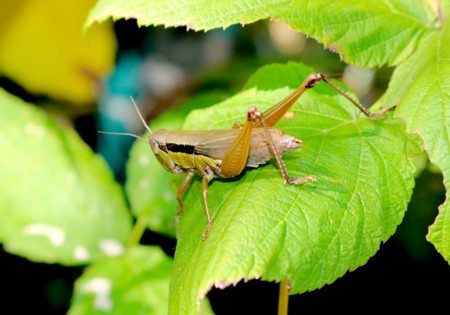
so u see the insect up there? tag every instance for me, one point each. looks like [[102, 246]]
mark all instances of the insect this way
[[225, 153]]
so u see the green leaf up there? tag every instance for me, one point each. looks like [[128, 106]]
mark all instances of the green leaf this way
[[311, 234], [135, 283], [58, 201], [150, 188], [365, 33], [197, 15], [422, 210], [420, 87]]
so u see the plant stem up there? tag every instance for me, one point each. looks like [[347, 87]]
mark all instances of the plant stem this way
[[283, 299], [138, 229]]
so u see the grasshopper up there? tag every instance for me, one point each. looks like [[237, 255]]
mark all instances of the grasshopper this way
[[225, 153]]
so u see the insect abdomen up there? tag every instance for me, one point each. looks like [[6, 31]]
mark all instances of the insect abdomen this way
[[260, 150]]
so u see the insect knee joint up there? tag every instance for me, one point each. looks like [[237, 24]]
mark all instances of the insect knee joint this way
[[313, 79], [254, 114]]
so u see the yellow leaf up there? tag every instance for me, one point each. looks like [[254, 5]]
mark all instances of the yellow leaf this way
[[43, 48]]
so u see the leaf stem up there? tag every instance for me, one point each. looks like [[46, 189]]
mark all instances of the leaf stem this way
[[283, 298], [138, 229]]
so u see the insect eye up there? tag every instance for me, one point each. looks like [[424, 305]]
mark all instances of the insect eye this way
[[155, 146]]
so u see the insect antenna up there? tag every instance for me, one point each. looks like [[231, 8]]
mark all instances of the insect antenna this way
[[122, 134], [127, 133], [140, 115]]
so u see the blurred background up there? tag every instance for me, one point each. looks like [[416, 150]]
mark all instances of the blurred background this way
[[85, 80]]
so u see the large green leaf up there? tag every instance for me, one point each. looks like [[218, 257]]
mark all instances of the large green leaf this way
[[366, 33], [311, 234], [58, 201], [422, 83], [135, 283]]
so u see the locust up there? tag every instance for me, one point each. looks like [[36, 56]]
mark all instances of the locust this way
[[225, 153]]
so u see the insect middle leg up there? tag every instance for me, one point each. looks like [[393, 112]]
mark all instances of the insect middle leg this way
[[205, 184], [207, 177]]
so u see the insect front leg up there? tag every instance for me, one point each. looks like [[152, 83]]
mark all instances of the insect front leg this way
[[181, 190], [254, 113]]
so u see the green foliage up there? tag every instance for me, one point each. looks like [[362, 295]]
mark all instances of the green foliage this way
[[134, 283], [58, 202], [412, 35], [366, 33], [422, 84]]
